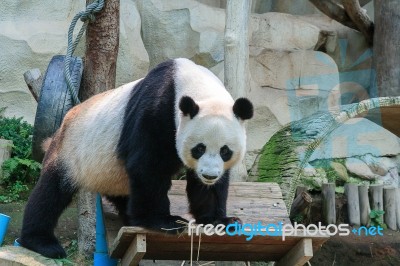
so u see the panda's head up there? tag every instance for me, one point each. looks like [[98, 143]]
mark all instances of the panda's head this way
[[211, 136]]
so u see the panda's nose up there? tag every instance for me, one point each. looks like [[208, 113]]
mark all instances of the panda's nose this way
[[210, 177]]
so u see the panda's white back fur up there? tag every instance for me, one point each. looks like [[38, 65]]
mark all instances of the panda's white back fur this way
[[92, 139], [90, 131]]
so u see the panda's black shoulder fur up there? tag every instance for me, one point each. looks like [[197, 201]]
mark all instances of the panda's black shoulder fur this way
[[149, 122]]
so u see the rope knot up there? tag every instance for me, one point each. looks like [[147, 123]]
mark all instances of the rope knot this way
[[85, 16]]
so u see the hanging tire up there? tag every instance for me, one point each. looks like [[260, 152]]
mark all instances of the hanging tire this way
[[54, 101]]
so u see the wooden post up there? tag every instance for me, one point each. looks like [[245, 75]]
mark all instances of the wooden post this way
[[364, 204], [328, 203], [389, 205], [353, 205], [386, 58], [376, 196], [135, 252], [237, 47], [299, 255], [398, 208], [102, 39], [236, 62]]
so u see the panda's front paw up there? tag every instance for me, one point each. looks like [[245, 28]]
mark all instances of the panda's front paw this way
[[229, 220], [220, 220], [170, 224]]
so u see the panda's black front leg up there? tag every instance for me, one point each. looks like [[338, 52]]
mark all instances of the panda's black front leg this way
[[208, 203], [149, 205]]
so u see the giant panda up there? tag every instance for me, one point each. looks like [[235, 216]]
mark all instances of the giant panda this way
[[127, 143]]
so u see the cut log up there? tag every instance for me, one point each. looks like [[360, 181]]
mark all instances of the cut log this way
[[353, 205], [389, 205], [328, 203], [33, 78], [301, 206], [301, 189], [365, 208]]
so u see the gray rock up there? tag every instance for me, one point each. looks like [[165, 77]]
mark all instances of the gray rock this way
[[360, 169], [173, 29], [358, 137], [283, 32]]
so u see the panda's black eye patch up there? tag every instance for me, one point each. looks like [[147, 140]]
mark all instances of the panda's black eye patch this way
[[198, 151], [226, 153]]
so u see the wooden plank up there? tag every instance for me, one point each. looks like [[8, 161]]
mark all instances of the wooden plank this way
[[135, 252], [252, 202], [168, 243], [20, 256], [298, 255], [239, 189]]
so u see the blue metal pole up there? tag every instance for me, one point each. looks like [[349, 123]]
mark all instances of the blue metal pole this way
[[101, 257]]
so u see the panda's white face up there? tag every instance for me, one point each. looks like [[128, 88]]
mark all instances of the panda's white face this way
[[211, 140], [210, 145]]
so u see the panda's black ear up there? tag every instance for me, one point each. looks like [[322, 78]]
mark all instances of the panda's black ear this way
[[188, 106], [243, 108]]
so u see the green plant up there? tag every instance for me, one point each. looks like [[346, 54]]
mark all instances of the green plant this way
[[20, 133], [13, 192], [376, 217], [18, 172], [18, 169]]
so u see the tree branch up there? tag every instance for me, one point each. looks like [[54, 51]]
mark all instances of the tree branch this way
[[360, 18], [334, 11]]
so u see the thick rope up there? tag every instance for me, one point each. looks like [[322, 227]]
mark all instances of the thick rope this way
[[86, 16]]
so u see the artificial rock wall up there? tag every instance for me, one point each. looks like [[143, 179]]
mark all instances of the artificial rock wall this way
[[296, 61]]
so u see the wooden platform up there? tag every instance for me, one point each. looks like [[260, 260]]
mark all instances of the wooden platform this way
[[387, 117], [252, 202]]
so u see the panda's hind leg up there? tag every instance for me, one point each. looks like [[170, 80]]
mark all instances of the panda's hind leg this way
[[51, 195], [121, 204]]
